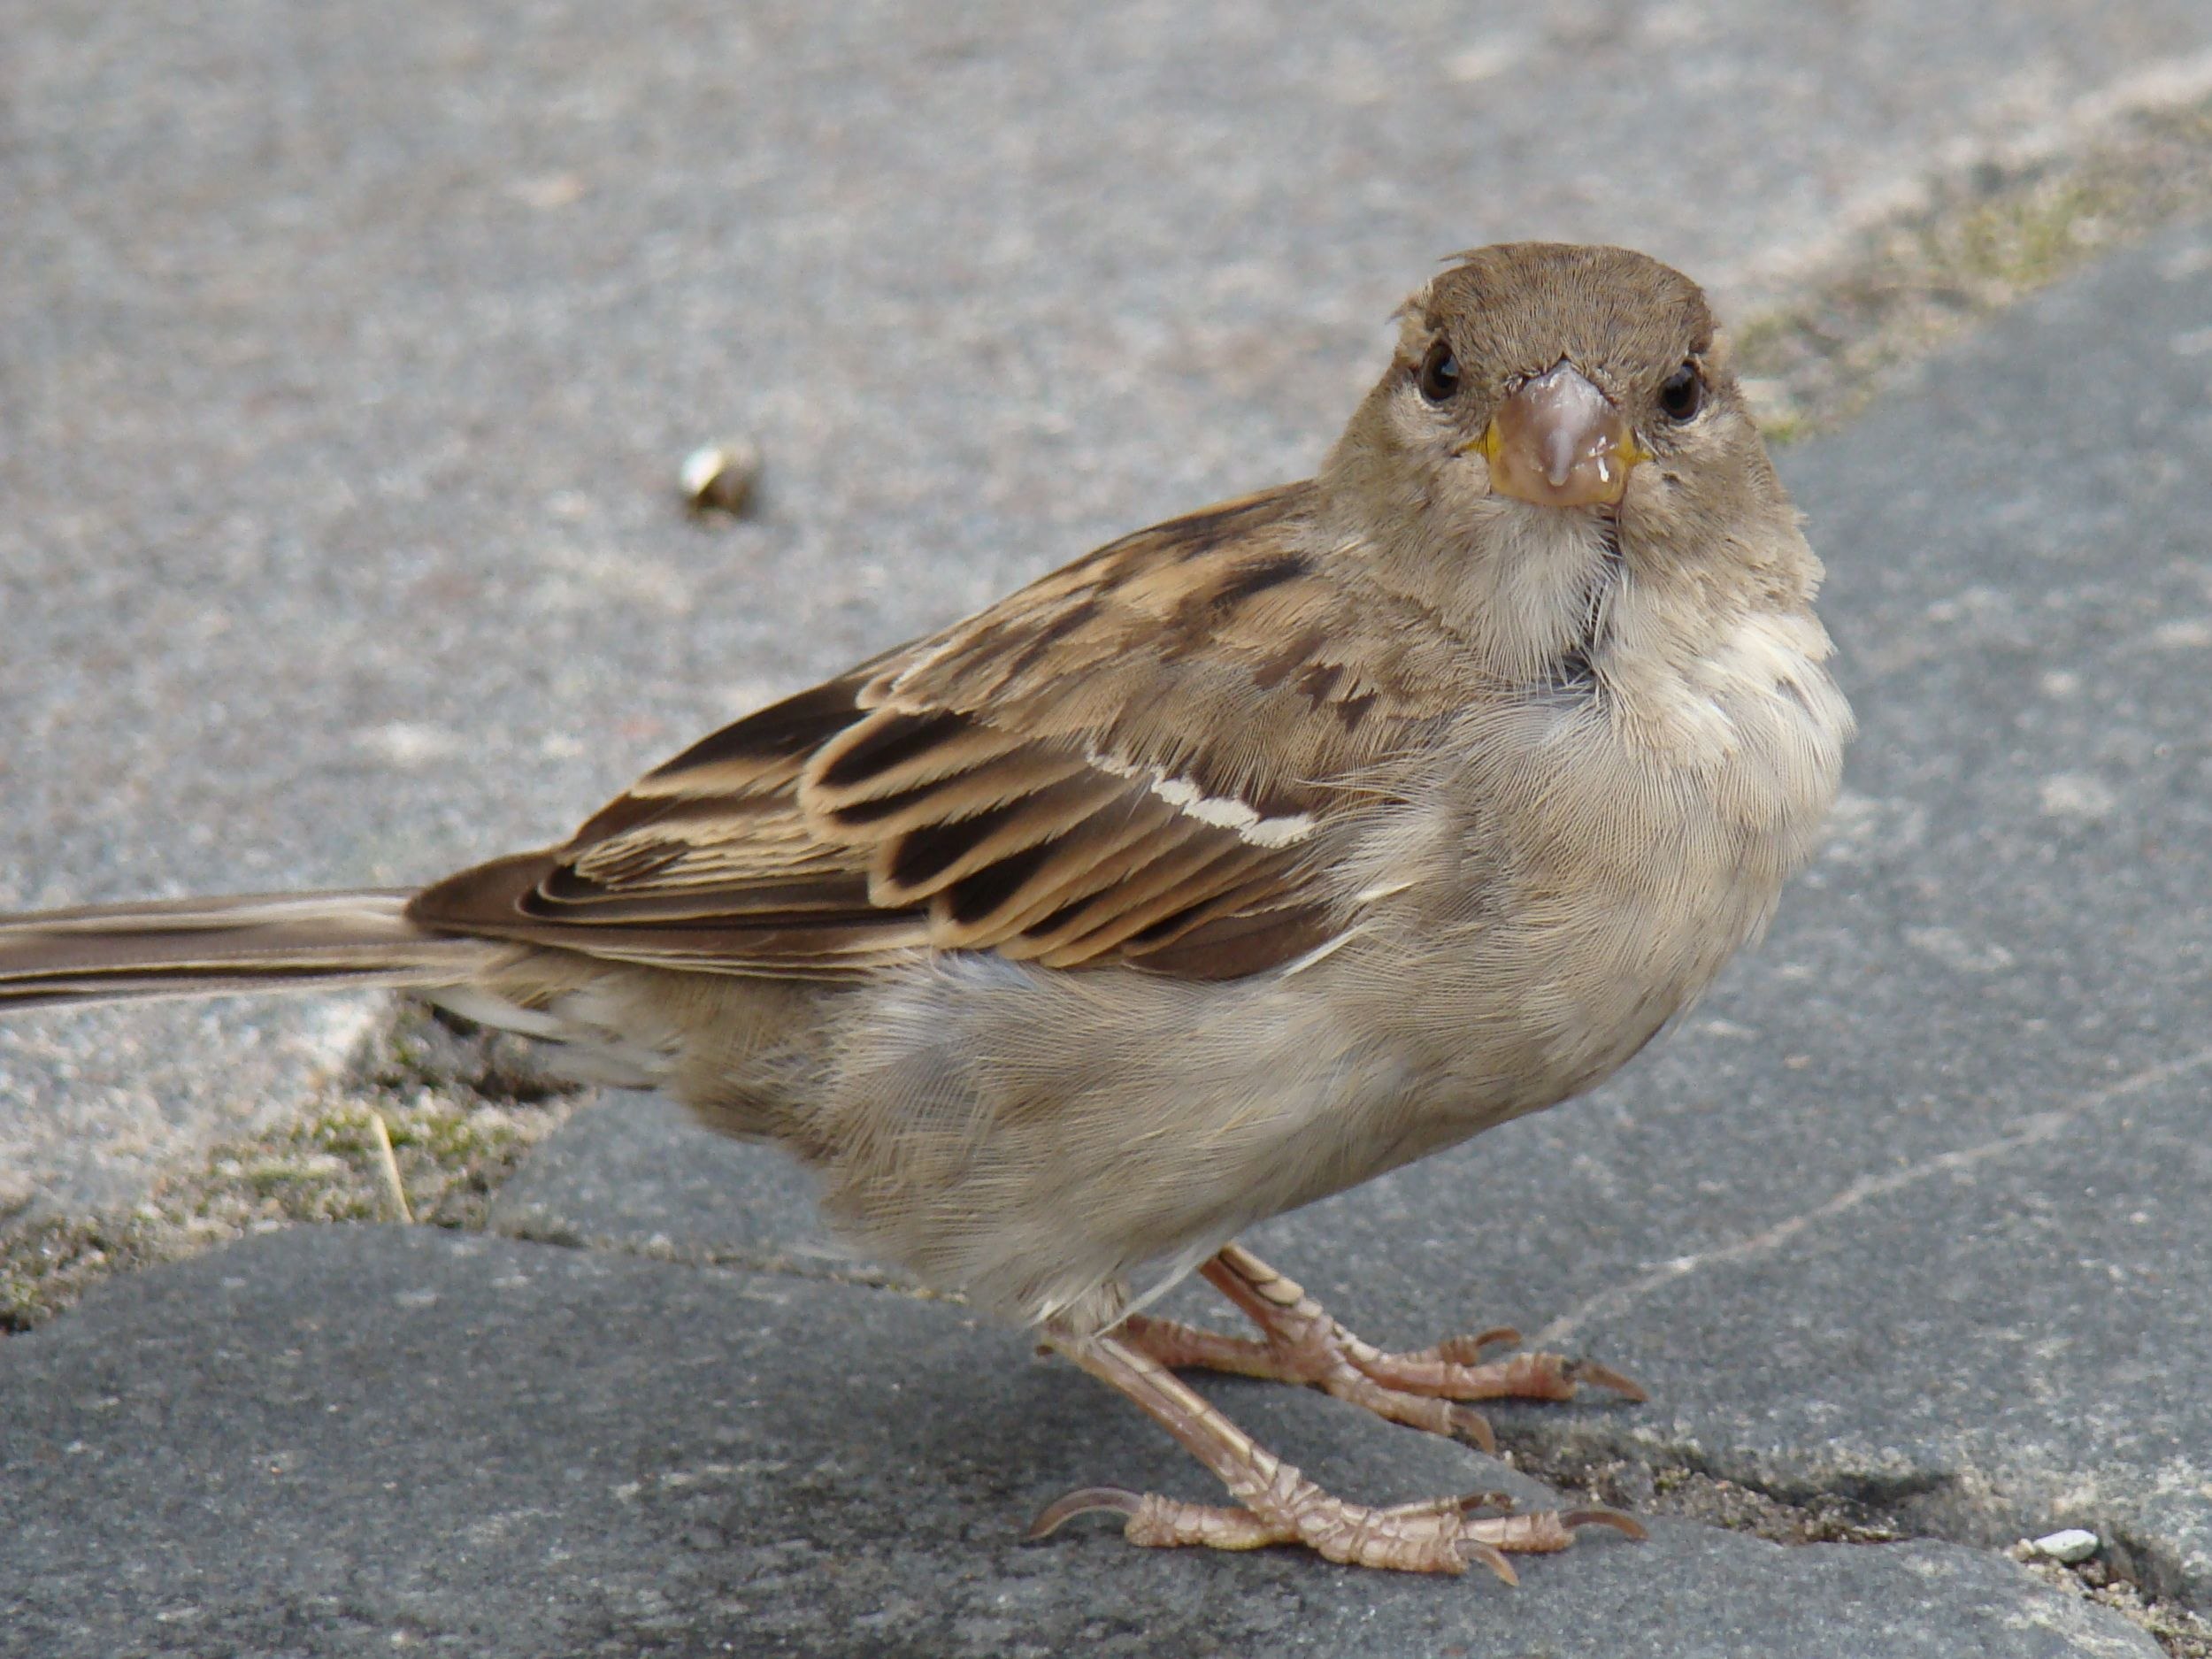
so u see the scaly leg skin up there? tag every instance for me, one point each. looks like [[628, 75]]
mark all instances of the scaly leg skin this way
[[1301, 1343], [1278, 1505]]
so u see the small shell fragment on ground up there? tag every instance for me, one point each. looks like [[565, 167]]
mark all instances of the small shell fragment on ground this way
[[720, 477], [2069, 1548]]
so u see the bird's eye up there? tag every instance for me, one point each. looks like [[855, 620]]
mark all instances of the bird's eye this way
[[1682, 394], [1439, 375]]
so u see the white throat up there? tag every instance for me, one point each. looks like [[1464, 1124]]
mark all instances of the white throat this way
[[1536, 596]]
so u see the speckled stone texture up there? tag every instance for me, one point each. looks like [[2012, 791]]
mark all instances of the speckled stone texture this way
[[349, 353], [358, 1442]]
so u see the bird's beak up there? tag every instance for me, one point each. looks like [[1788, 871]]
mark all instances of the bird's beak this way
[[1559, 442]]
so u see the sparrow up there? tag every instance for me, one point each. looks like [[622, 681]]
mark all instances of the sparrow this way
[[1238, 862]]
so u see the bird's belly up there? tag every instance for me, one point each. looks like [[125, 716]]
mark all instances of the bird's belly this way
[[1032, 1136], [1162, 1117]]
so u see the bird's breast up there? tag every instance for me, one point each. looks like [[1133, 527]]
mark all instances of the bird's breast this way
[[1584, 866]]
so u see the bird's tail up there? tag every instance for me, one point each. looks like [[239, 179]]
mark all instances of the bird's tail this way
[[196, 947]]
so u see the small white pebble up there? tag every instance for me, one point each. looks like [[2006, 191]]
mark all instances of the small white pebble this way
[[720, 475], [2073, 1546]]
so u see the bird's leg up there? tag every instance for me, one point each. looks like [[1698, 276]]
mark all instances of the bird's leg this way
[[1301, 1343], [1278, 1505]]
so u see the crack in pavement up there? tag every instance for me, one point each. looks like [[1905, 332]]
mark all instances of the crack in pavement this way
[[1685, 1483], [2041, 1126]]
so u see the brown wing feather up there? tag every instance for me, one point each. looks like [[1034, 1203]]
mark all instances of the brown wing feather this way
[[1121, 764]]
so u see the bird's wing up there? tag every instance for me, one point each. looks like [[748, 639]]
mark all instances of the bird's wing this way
[[1131, 761]]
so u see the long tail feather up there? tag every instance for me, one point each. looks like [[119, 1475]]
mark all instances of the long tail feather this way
[[197, 946]]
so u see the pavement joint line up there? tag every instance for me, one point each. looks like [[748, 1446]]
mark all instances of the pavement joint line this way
[[2183, 1633], [1825, 329], [461, 1110], [2043, 1125], [1677, 1482], [2095, 120]]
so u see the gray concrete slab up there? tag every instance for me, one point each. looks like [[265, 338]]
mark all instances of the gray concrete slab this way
[[635, 1173], [346, 1440], [351, 350], [1915, 1207]]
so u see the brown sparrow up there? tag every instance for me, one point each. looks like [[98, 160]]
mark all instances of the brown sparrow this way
[[1238, 862]]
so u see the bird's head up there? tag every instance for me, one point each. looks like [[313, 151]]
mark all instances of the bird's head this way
[[1550, 412], [1557, 376]]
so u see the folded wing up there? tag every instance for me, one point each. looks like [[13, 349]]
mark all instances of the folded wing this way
[[1132, 760]]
